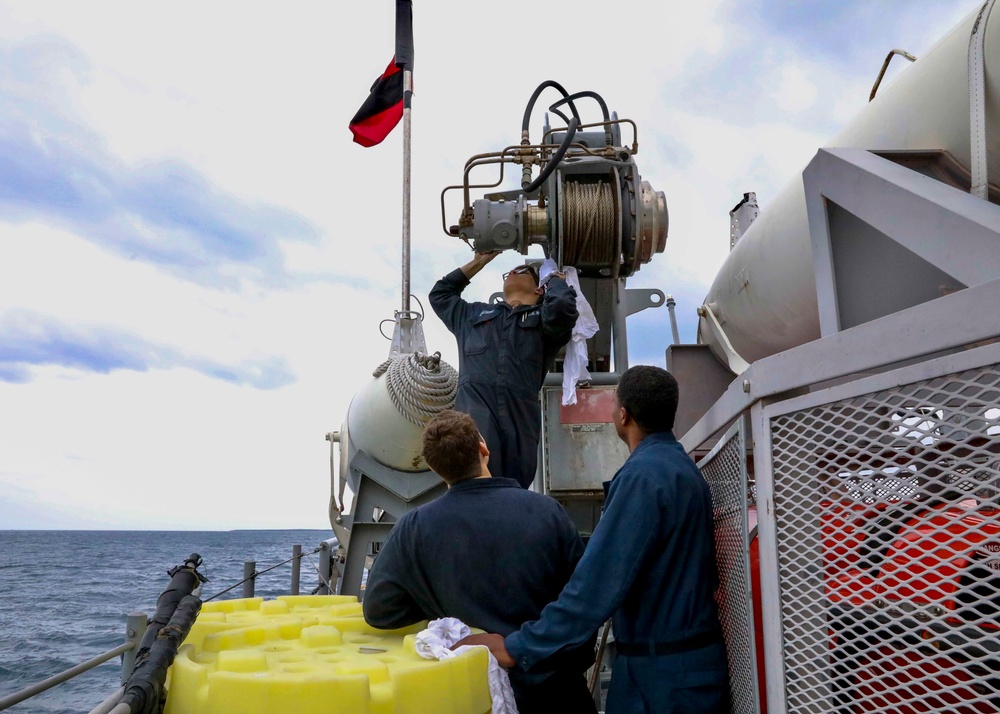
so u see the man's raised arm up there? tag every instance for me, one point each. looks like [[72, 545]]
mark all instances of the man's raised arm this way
[[445, 296]]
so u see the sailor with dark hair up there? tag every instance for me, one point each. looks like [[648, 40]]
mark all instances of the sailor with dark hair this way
[[505, 351], [649, 566], [487, 552]]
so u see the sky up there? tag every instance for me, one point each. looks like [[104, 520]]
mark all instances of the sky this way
[[195, 259]]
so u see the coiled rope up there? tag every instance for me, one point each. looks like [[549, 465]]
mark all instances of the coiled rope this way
[[589, 224], [419, 385]]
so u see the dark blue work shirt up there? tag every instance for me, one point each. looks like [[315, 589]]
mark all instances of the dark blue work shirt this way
[[486, 552], [504, 355], [650, 564]]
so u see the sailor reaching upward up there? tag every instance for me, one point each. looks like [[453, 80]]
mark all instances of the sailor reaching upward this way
[[505, 351]]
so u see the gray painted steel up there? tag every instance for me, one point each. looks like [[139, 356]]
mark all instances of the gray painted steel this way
[[934, 445], [949, 322], [724, 468], [135, 628], [296, 568], [109, 704], [382, 497], [939, 224], [578, 457], [702, 380], [249, 577]]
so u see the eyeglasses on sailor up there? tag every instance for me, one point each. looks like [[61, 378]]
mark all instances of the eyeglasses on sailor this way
[[520, 270]]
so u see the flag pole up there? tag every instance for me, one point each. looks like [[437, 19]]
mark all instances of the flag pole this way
[[378, 116], [409, 335], [407, 94]]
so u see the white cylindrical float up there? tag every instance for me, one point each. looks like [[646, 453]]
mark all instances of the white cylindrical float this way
[[764, 296], [387, 415], [378, 428]]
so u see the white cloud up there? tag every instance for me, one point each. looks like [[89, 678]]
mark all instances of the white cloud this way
[[255, 99], [794, 92]]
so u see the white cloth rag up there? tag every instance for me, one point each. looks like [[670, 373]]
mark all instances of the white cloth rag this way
[[433, 643], [575, 364]]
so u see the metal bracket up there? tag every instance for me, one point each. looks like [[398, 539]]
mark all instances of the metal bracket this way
[[733, 359], [638, 299], [408, 335]]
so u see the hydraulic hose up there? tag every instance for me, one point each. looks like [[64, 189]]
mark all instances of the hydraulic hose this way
[[534, 97], [556, 157], [579, 95]]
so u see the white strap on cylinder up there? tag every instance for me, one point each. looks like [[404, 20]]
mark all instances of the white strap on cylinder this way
[[977, 103]]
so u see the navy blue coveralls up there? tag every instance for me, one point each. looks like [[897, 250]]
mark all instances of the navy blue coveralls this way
[[650, 565], [504, 354], [492, 555]]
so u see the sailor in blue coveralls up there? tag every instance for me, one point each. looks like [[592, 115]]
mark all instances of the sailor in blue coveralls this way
[[505, 351], [487, 552], [650, 566]]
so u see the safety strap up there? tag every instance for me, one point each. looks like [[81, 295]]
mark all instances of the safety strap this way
[[977, 103]]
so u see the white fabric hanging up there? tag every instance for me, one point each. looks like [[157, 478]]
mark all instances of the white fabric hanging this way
[[575, 364], [440, 635]]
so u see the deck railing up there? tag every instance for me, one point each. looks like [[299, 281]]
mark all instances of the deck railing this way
[[135, 628]]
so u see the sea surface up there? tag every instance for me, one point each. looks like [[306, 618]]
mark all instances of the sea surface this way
[[65, 596]]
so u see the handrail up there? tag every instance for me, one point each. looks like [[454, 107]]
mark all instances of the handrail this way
[[109, 704], [39, 687], [134, 632]]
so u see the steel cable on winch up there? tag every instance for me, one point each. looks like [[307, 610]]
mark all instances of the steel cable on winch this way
[[589, 223], [419, 385]]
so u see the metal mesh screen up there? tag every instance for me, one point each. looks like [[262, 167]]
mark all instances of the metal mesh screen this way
[[888, 538], [725, 471]]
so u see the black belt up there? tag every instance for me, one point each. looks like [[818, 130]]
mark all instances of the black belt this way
[[655, 649]]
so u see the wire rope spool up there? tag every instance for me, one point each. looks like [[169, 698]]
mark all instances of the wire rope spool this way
[[588, 207], [387, 415], [589, 225]]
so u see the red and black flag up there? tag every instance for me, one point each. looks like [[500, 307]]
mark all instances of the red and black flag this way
[[384, 107]]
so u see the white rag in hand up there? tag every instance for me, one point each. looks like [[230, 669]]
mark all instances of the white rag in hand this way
[[433, 643], [575, 364]]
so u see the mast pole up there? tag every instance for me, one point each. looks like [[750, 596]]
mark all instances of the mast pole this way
[[407, 94]]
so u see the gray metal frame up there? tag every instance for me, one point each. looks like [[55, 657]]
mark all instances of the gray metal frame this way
[[725, 470], [954, 321], [393, 492], [931, 338], [952, 230], [934, 221], [768, 533]]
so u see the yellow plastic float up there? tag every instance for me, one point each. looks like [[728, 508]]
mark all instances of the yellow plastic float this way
[[314, 654]]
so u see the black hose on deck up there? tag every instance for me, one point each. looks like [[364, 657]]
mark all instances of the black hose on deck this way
[[176, 610]]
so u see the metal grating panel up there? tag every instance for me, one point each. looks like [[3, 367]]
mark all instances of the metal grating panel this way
[[888, 548], [724, 468]]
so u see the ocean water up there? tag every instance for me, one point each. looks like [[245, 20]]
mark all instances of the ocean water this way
[[65, 596]]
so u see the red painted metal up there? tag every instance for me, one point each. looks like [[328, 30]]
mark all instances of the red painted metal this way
[[593, 406]]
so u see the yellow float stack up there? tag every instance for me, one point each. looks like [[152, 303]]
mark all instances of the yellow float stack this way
[[314, 654]]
